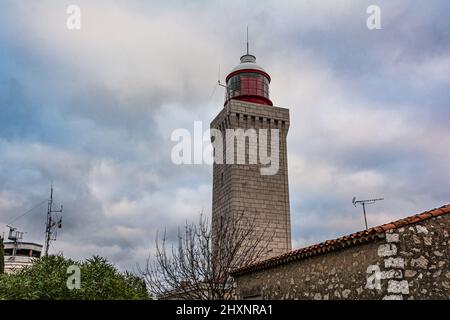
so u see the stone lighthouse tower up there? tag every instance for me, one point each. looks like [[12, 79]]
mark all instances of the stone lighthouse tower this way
[[240, 183]]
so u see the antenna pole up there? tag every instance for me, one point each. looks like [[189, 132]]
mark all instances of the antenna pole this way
[[51, 223], [48, 222], [247, 40], [365, 217]]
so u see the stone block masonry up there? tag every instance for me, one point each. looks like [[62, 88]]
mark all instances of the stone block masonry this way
[[406, 259], [242, 189]]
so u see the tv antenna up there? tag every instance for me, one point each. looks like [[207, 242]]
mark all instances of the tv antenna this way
[[363, 204], [53, 222]]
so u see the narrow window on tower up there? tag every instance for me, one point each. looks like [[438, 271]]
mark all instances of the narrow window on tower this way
[[221, 179]]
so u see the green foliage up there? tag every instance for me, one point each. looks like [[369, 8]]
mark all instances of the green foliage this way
[[46, 279]]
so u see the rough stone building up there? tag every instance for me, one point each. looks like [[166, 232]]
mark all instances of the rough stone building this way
[[239, 186], [405, 259]]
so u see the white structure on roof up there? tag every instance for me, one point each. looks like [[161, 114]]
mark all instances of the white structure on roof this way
[[20, 254]]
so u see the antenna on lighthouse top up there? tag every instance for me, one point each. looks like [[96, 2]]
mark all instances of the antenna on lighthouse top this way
[[247, 39], [247, 57]]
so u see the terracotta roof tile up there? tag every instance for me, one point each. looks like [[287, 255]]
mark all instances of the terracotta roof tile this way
[[424, 216], [389, 226], [342, 242], [436, 212]]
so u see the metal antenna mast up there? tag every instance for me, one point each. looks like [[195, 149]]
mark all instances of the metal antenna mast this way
[[363, 203], [247, 39], [53, 222]]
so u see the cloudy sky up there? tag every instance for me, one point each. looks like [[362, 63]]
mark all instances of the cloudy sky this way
[[91, 111]]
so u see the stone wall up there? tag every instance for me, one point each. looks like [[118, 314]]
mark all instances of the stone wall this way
[[242, 189], [411, 262]]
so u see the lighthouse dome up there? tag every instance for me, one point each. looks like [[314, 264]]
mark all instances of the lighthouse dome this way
[[248, 61]]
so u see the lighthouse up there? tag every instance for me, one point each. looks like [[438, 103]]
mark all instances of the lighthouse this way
[[241, 188]]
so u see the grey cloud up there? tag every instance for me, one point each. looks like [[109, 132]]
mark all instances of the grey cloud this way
[[93, 113]]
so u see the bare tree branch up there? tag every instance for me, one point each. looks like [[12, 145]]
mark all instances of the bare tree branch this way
[[198, 266]]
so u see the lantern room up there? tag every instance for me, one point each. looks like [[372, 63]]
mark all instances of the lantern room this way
[[248, 82]]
